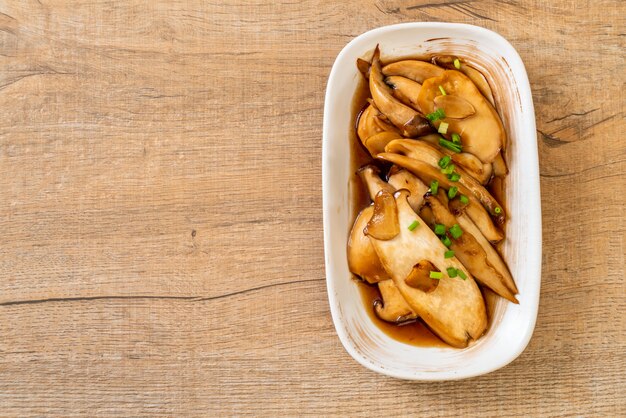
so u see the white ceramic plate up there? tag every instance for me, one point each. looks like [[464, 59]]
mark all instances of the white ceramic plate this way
[[512, 325]]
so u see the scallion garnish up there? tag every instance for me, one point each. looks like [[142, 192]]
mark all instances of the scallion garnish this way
[[440, 229], [452, 192], [456, 231], [436, 115], [454, 176], [449, 169], [436, 275], [498, 210], [434, 187], [457, 64], [443, 128], [444, 161], [442, 90], [456, 138], [413, 225], [464, 199], [452, 272], [450, 145], [448, 254], [446, 241], [461, 274]]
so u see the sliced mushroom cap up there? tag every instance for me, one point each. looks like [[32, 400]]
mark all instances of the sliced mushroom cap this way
[[454, 107], [383, 224], [393, 308], [405, 90], [483, 134], [469, 252], [419, 277], [362, 259], [405, 118], [455, 310], [420, 150], [447, 61], [428, 173], [413, 69]]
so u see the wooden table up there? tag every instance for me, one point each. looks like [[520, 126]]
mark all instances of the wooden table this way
[[161, 223]]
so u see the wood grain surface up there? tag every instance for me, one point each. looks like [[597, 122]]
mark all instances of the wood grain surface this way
[[161, 225]]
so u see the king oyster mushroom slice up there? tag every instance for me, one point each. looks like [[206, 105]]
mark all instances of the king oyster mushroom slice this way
[[447, 61], [370, 123], [483, 134], [376, 143], [362, 259], [455, 310], [469, 251], [493, 257], [413, 69], [428, 173], [393, 307], [405, 118], [404, 179], [404, 89], [423, 151], [476, 168], [370, 176]]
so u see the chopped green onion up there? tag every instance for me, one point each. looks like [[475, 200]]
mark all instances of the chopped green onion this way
[[436, 275], [452, 272], [461, 274], [434, 187], [456, 138], [444, 161], [443, 128], [440, 229], [456, 231], [446, 241], [452, 192], [498, 210], [464, 199], [448, 254], [449, 169], [413, 225], [454, 176], [442, 90], [449, 145], [457, 64], [436, 115]]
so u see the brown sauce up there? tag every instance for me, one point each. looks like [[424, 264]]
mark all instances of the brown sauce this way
[[415, 333]]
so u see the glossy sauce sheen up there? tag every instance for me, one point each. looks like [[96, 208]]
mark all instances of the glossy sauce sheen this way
[[415, 333]]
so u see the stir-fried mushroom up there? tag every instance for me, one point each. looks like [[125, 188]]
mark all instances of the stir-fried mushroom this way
[[423, 151], [447, 61], [376, 143], [404, 179], [370, 176], [483, 134], [468, 250], [455, 310], [412, 69], [371, 123], [405, 118], [405, 90], [427, 174], [362, 259], [393, 307]]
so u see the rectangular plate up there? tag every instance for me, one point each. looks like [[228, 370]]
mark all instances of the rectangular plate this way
[[512, 325]]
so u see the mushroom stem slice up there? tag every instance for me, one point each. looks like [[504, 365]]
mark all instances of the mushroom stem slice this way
[[454, 107], [413, 69], [405, 90], [384, 222], [362, 259], [375, 144], [406, 119], [469, 252], [404, 179], [447, 61], [393, 307], [455, 310], [428, 173]]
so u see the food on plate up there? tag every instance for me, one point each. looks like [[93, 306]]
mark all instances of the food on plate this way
[[433, 180]]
